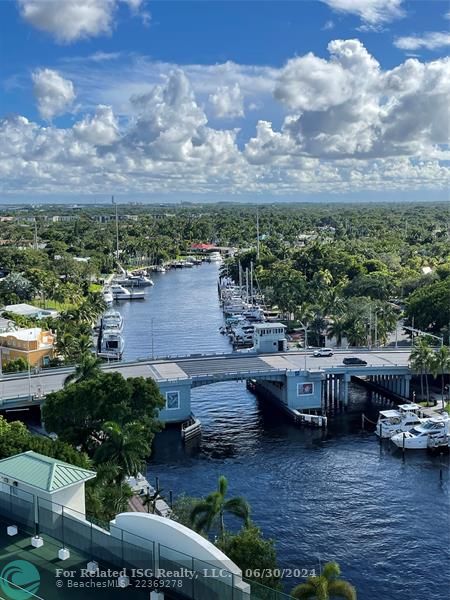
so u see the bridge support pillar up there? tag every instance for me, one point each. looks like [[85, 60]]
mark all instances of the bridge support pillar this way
[[406, 384], [343, 389]]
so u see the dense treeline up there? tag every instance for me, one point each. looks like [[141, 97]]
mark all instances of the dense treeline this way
[[321, 263]]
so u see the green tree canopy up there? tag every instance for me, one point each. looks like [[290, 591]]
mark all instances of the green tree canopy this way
[[253, 554], [77, 412]]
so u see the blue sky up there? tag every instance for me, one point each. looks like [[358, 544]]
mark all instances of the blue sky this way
[[332, 99]]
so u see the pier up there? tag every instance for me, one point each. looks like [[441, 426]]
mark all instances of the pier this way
[[298, 381]]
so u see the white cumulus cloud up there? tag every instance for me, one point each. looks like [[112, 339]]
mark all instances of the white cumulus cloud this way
[[338, 125], [227, 101], [373, 12], [70, 20], [431, 40], [53, 93]]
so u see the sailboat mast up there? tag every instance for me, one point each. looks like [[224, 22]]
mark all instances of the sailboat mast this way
[[246, 285], [251, 282]]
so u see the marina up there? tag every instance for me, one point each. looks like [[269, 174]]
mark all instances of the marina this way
[[342, 491]]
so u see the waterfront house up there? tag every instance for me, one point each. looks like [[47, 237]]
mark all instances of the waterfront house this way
[[35, 345]]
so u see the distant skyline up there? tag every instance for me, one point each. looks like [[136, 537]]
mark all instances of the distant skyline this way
[[320, 100]]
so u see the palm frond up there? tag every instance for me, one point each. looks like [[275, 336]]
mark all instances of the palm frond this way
[[304, 591], [331, 570], [341, 589], [223, 486], [238, 507]]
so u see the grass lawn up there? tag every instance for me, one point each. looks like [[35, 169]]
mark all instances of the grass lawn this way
[[52, 304], [95, 287]]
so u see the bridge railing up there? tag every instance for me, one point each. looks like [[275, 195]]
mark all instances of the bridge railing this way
[[177, 357]]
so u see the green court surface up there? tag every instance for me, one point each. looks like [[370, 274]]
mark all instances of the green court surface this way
[[46, 561]]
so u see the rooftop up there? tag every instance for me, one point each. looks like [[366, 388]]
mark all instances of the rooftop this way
[[27, 310], [27, 335], [42, 472]]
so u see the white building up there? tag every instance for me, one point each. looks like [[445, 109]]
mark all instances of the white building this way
[[270, 337], [32, 474]]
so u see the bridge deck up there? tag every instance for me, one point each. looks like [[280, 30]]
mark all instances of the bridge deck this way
[[190, 368]]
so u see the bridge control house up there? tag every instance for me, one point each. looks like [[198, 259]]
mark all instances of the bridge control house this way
[[270, 337]]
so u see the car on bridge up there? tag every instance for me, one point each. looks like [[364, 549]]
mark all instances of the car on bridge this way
[[354, 361], [323, 352]]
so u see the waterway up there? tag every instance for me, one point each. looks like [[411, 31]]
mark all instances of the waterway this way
[[337, 495]]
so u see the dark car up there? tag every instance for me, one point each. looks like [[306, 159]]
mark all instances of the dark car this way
[[354, 360]]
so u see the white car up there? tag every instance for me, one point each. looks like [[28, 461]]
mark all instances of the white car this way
[[323, 352]]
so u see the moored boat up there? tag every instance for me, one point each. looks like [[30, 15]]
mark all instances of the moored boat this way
[[111, 345], [120, 292], [404, 418], [112, 320], [423, 435]]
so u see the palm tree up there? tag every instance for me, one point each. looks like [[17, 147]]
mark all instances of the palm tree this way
[[356, 333], [65, 345], [421, 359], [126, 446], [337, 329], [88, 368], [440, 364], [325, 586], [83, 346], [211, 510]]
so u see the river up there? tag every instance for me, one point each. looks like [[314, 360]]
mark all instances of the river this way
[[337, 495]]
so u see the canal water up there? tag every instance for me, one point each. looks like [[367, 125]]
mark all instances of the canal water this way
[[337, 495]]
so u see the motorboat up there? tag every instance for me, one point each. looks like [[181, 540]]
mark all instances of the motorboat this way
[[134, 281], [215, 257], [160, 269], [120, 292], [424, 435], [112, 320], [404, 418], [108, 298], [111, 345]]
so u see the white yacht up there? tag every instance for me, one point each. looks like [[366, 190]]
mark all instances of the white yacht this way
[[423, 435], [120, 292], [133, 281], [111, 345], [108, 297], [160, 269], [112, 320], [404, 418]]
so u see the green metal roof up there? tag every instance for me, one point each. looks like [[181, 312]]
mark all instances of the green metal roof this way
[[42, 472]]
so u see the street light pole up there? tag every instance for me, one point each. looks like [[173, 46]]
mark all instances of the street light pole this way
[[305, 329]]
